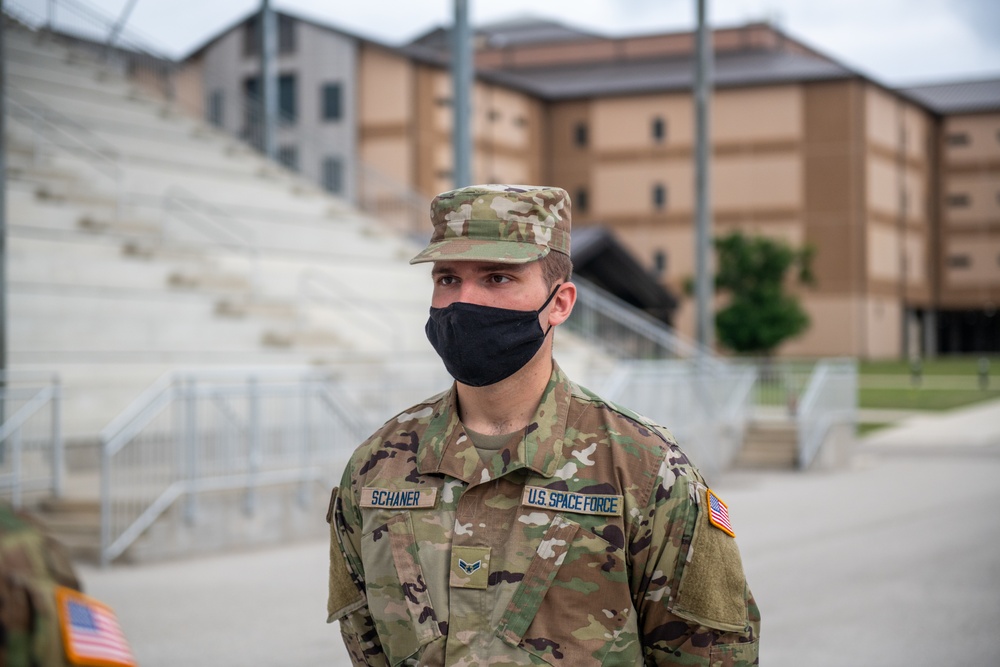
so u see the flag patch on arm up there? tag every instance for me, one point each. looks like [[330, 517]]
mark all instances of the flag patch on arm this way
[[718, 513], [90, 631]]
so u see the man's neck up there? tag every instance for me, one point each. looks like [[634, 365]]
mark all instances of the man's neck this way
[[508, 405]]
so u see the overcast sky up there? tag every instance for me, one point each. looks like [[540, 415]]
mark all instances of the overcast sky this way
[[897, 42]]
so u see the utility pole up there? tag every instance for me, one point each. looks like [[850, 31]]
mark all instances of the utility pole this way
[[703, 218], [268, 97], [461, 78]]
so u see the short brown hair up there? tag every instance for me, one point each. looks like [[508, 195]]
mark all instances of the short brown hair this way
[[556, 267]]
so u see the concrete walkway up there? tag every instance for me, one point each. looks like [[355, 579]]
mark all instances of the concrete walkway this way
[[974, 426], [892, 562]]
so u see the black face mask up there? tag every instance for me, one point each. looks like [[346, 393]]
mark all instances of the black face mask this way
[[482, 345]]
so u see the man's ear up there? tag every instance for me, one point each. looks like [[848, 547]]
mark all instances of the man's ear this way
[[562, 304]]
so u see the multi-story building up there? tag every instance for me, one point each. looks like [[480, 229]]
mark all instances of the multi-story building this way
[[966, 258], [803, 149]]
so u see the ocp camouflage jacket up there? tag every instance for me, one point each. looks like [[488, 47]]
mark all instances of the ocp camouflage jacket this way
[[586, 542]]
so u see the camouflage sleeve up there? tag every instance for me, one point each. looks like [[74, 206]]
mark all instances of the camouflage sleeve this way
[[687, 580], [348, 602]]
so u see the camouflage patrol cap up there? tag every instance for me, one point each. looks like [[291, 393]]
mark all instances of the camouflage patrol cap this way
[[510, 224]]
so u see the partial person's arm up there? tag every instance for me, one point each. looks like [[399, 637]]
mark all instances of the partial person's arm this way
[[347, 600], [687, 580]]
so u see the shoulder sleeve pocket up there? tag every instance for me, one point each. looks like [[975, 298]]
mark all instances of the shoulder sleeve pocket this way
[[713, 590], [344, 595]]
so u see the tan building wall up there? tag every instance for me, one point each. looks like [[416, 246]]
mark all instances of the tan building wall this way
[[969, 259]]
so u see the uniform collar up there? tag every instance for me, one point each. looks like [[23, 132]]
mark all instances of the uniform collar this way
[[446, 448]]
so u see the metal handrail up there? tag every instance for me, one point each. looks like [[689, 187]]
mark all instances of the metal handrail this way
[[639, 323], [130, 47], [107, 159], [10, 434], [179, 462], [822, 407]]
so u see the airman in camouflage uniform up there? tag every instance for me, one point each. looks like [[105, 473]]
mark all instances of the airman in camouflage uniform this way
[[32, 565], [582, 536]]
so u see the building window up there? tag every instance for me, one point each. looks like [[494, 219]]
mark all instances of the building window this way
[[958, 201], [959, 261], [251, 131], [215, 111], [289, 156], [580, 134], [251, 42], [493, 115], [659, 263], [659, 130], [331, 101], [333, 175], [251, 35], [957, 139], [442, 101], [286, 98], [659, 196], [521, 121], [580, 202], [444, 174], [286, 34]]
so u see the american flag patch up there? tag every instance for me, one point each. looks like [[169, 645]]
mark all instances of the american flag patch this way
[[718, 514], [90, 631]]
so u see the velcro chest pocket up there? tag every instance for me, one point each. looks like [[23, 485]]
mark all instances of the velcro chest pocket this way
[[398, 597], [574, 599]]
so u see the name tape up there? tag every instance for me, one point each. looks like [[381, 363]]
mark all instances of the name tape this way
[[395, 499], [567, 501]]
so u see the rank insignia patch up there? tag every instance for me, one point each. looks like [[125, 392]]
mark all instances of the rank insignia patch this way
[[469, 568], [718, 513]]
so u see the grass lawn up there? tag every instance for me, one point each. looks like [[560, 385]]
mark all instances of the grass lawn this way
[[957, 365], [924, 399]]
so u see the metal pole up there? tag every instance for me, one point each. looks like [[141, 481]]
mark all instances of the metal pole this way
[[190, 449], [3, 210], [254, 443], [703, 247], [58, 454], [268, 88], [461, 77], [120, 24]]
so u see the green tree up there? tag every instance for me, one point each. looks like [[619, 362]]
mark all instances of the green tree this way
[[760, 314]]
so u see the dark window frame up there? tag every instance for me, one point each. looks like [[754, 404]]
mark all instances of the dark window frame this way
[[958, 200], [332, 101], [581, 135], [658, 129], [659, 193]]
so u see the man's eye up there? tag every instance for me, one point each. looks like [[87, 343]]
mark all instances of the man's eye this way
[[446, 280], [498, 278]]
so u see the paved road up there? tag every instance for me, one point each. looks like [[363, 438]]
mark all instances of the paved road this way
[[895, 561]]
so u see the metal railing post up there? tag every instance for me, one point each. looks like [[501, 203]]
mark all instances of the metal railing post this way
[[253, 433], [190, 448], [305, 441], [58, 458], [105, 503], [15, 465]]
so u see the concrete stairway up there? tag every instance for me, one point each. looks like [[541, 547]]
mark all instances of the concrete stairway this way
[[769, 444], [74, 523]]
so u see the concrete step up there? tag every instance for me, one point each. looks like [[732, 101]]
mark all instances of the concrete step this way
[[769, 445], [239, 308], [76, 524]]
